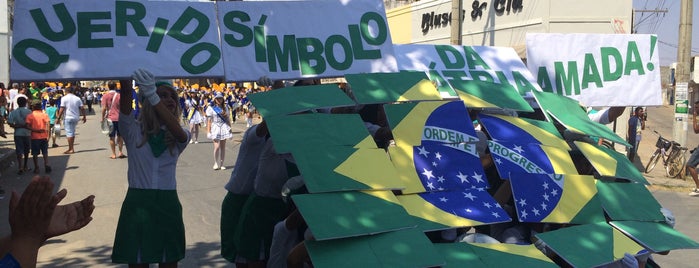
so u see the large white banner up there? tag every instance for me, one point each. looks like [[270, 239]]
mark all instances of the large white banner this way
[[444, 63], [304, 39], [597, 69], [83, 39], [87, 39]]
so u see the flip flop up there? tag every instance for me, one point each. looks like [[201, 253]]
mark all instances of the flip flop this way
[[68, 152], [112, 157], [122, 156], [47, 169]]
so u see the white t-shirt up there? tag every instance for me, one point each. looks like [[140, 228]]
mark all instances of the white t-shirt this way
[[71, 106], [13, 105], [243, 175]]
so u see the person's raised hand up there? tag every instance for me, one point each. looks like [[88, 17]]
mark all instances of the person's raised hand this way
[[146, 85], [70, 217], [30, 213]]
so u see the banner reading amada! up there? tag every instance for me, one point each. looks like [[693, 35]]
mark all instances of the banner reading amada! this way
[[109, 39], [597, 69]]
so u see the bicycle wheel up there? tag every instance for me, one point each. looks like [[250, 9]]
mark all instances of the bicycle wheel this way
[[676, 167], [682, 170], [653, 161]]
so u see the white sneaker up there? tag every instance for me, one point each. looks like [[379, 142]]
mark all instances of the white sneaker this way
[[191, 141], [223, 167], [694, 192], [216, 167], [196, 142]]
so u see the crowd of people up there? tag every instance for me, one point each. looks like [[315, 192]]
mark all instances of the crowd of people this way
[[259, 224]]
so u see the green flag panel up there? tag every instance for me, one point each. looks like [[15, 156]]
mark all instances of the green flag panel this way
[[405, 248], [610, 163], [348, 214], [568, 112], [290, 100], [318, 130], [392, 87], [342, 168], [655, 236], [629, 202], [589, 245], [481, 94]]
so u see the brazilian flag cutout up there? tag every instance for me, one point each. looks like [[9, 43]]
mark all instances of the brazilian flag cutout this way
[[319, 130], [438, 121], [438, 167], [655, 236], [354, 213], [404, 248], [289, 100], [492, 255], [610, 163], [555, 198], [369, 88], [342, 168], [568, 112], [629, 201], [522, 157], [590, 245], [523, 130], [450, 209], [481, 94]]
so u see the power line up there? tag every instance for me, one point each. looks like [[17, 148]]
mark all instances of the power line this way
[[694, 50]]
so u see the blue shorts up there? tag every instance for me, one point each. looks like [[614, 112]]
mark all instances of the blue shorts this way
[[40, 146], [69, 126], [22, 145], [694, 158], [115, 129]]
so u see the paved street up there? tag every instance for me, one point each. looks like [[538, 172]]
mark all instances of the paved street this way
[[90, 171]]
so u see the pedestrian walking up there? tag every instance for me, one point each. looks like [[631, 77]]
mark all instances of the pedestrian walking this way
[[18, 120], [71, 110], [633, 134], [38, 123], [110, 102]]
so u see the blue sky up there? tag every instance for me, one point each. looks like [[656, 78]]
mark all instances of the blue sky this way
[[666, 26]]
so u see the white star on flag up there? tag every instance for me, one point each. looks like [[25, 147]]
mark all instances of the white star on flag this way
[[518, 149], [544, 206], [440, 179], [522, 202], [486, 204], [438, 156], [463, 177], [546, 185], [498, 161], [495, 214], [477, 176], [536, 211], [434, 164], [430, 185], [427, 173], [469, 196], [423, 151], [524, 214], [443, 199], [554, 192]]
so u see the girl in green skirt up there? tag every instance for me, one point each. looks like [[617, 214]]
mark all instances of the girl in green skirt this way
[[150, 228]]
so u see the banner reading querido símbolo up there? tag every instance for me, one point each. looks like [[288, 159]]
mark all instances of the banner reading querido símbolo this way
[[83, 39]]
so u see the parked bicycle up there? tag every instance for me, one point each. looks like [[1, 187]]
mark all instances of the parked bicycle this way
[[672, 154]]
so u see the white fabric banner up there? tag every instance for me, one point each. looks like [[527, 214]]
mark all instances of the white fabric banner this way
[[86, 39], [597, 69], [304, 39], [444, 63]]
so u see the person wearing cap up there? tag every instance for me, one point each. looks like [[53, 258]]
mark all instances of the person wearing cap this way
[[71, 110], [150, 227], [194, 117], [218, 128]]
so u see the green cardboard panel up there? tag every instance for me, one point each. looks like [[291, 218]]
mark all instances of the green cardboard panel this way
[[288, 100], [316, 129], [629, 201], [655, 236], [348, 214], [481, 94], [392, 87], [404, 248], [342, 168]]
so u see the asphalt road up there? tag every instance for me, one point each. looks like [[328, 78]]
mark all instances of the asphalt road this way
[[90, 171]]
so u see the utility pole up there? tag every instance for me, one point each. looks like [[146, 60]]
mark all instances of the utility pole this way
[[456, 22], [684, 50]]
